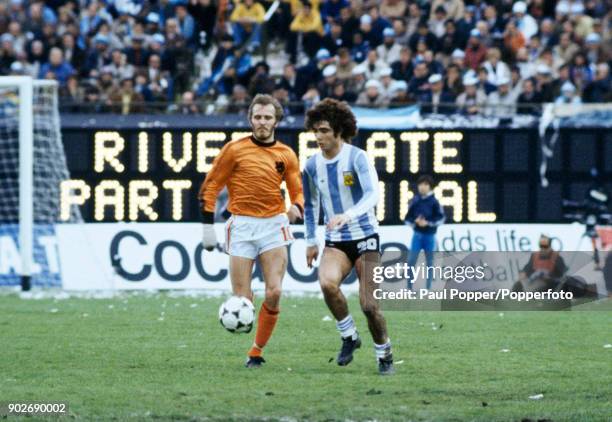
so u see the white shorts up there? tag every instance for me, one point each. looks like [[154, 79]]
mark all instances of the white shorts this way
[[249, 237]]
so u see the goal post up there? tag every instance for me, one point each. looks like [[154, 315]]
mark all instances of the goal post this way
[[25, 92], [32, 167]]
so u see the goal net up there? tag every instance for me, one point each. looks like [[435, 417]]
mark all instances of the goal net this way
[[32, 167]]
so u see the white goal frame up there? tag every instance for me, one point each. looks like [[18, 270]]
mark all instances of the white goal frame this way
[[25, 86]]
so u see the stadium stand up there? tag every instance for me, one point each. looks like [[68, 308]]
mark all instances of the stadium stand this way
[[177, 56]]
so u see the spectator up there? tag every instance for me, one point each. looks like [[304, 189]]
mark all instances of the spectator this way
[[118, 66], [437, 23], [514, 40], [36, 57], [188, 104], [58, 66], [502, 102], [373, 96], [398, 94], [288, 81], [333, 40], [19, 38], [93, 101], [414, 18], [261, 81], [544, 83], [557, 83], [73, 54], [393, 9], [350, 25], [495, 23], [186, 23], [330, 9], [71, 94], [360, 48], [7, 53], [378, 24], [136, 54], [600, 89], [418, 85], [472, 100], [345, 65], [454, 9], [124, 100], [246, 22], [373, 65], [423, 35], [467, 22], [580, 71], [529, 99], [452, 82], [307, 25], [240, 100], [483, 81], [326, 86], [594, 50], [568, 95], [566, 49], [401, 34], [402, 69], [436, 99], [495, 68], [525, 23], [475, 51], [458, 59], [385, 81], [340, 93], [451, 40], [204, 13], [358, 81], [389, 50], [548, 37]]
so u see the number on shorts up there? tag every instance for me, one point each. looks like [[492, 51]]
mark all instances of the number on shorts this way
[[367, 245]]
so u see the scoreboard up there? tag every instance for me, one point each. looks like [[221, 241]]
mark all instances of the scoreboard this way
[[481, 175]]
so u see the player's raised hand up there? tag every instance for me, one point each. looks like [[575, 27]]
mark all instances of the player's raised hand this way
[[312, 254], [294, 214], [338, 221], [209, 237]]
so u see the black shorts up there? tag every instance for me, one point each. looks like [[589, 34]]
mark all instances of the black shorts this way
[[355, 248]]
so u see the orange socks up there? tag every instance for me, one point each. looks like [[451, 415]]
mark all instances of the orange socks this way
[[265, 325]]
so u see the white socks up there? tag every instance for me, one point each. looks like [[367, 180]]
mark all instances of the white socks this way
[[382, 350], [347, 327]]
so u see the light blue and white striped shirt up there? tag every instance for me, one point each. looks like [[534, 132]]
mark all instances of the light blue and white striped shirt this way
[[346, 184]]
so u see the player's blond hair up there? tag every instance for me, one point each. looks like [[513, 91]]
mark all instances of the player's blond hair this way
[[264, 100]]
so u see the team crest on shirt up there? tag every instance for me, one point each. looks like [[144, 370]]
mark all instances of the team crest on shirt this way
[[349, 180], [280, 167]]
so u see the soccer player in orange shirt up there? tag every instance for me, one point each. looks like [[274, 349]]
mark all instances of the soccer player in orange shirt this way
[[253, 169]]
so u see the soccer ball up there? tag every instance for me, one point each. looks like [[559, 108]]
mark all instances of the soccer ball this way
[[237, 314]]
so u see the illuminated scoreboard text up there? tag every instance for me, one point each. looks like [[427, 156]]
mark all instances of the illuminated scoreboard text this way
[[154, 174]]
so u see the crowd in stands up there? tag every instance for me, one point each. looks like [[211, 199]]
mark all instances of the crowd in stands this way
[[494, 57]]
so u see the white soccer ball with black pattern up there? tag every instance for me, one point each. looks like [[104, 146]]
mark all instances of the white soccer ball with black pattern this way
[[237, 314]]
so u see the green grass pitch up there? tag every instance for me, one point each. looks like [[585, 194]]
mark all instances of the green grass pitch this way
[[139, 356]]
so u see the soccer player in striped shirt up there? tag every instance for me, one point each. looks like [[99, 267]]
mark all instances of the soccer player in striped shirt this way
[[341, 178], [253, 169]]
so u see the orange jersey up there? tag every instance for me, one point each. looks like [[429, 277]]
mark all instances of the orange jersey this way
[[253, 173]]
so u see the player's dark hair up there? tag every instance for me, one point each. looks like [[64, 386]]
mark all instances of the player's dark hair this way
[[426, 179], [264, 100], [337, 113]]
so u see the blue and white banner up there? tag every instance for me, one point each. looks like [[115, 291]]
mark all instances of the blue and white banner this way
[[394, 118]]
